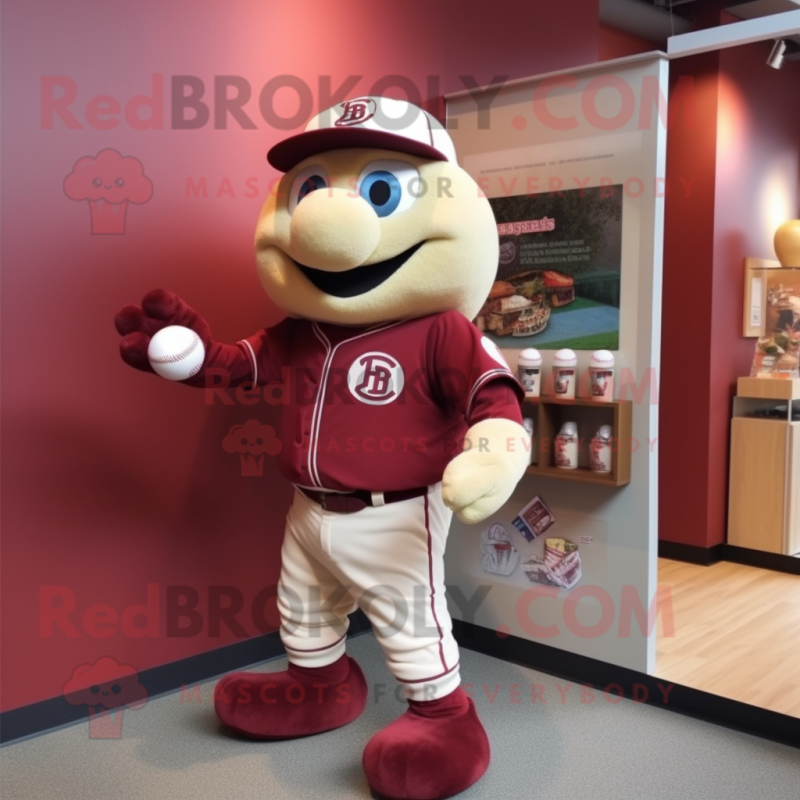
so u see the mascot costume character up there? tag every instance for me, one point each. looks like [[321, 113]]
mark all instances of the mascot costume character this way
[[380, 249]]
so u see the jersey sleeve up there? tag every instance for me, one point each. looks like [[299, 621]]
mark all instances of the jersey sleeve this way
[[268, 352], [495, 399], [469, 371]]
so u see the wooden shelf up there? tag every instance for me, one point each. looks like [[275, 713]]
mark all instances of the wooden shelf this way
[[589, 414], [581, 475], [769, 388], [578, 401]]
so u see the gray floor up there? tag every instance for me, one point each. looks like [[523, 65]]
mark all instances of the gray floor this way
[[569, 750]]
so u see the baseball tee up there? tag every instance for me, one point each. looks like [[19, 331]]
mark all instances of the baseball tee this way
[[383, 408]]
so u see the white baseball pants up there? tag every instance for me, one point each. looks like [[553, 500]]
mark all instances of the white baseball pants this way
[[387, 560]]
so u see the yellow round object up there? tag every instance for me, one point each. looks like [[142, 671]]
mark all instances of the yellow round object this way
[[787, 243]]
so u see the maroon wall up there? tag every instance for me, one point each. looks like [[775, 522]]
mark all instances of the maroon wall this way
[[684, 406], [112, 480], [744, 157], [758, 161], [614, 43]]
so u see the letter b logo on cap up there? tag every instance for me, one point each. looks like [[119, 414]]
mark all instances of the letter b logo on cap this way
[[356, 112]]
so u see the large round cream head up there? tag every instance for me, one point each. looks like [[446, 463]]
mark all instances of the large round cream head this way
[[359, 236], [530, 358], [380, 123], [374, 220], [565, 358], [602, 359]]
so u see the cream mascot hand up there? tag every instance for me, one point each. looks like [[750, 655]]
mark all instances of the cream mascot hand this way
[[380, 249], [480, 480]]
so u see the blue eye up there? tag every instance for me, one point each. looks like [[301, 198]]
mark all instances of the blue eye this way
[[382, 190], [310, 184]]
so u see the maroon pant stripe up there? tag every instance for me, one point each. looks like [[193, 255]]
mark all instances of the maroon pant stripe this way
[[430, 581]]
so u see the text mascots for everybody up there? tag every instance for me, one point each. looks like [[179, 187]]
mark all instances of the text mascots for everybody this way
[[380, 249]]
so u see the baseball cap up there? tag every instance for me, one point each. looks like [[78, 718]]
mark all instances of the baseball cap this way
[[379, 122]]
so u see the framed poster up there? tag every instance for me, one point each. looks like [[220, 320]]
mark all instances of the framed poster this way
[[561, 254], [560, 211], [777, 351], [755, 294]]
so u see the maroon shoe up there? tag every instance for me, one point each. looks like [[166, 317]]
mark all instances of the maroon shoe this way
[[299, 702], [436, 749]]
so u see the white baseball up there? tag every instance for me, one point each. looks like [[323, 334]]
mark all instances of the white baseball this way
[[602, 358], [176, 353], [565, 358]]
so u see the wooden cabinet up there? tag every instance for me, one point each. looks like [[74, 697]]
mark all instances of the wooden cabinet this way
[[549, 414], [764, 491]]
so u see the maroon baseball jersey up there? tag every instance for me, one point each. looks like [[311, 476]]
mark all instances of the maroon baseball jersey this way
[[382, 408]]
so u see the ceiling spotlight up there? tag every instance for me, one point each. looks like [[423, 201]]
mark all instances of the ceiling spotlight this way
[[775, 59]]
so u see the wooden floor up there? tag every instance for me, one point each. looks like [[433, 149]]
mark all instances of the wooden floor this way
[[736, 633]]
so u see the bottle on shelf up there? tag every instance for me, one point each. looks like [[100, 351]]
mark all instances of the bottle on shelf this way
[[600, 450], [527, 423], [601, 376], [529, 371], [565, 364], [566, 446]]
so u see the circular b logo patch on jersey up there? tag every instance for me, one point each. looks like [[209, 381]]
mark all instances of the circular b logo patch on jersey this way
[[375, 379]]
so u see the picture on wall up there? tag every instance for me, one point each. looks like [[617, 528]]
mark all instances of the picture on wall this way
[[558, 276], [778, 348], [549, 559]]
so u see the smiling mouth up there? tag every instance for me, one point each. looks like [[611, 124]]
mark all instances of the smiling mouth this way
[[353, 282]]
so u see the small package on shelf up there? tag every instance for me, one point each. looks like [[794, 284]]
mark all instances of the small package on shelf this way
[[498, 555], [534, 519], [560, 566]]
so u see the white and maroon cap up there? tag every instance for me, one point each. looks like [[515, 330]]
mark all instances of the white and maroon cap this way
[[378, 122]]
